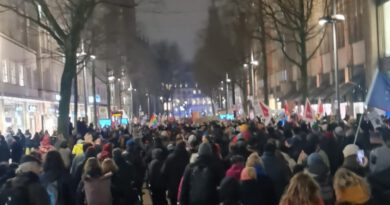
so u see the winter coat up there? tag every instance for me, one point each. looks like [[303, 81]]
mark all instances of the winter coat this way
[[215, 168], [122, 187], [98, 190], [154, 171], [229, 189], [173, 169], [5, 153], [24, 189], [66, 156], [278, 171], [351, 163], [380, 186], [379, 159], [17, 151], [62, 182]]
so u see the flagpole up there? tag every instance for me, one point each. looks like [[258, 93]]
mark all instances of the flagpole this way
[[358, 127]]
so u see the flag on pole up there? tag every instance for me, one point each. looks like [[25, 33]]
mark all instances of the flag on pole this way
[[308, 113], [286, 108], [265, 112], [379, 93], [153, 121], [320, 108]]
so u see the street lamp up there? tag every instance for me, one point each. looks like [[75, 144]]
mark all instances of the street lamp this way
[[333, 19]]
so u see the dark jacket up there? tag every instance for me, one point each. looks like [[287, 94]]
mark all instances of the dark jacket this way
[[173, 169], [154, 170], [229, 191], [278, 171], [17, 151], [4, 151], [258, 191], [63, 184], [202, 162], [380, 186], [24, 189], [122, 183]]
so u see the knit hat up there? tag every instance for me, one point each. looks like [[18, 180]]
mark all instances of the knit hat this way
[[205, 149], [350, 149], [316, 165]]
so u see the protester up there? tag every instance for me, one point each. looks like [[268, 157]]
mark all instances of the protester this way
[[5, 153], [302, 190], [97, 185], [229, 190], [201, 179], [56, 179], [25, 188], [352, 162], [350, 188], [66, 154], [156, 180]]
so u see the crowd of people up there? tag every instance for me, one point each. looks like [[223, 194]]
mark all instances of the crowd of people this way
[[240, 162]]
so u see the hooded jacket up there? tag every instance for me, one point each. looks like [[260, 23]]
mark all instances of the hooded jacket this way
[[154, 170], [24, 189]]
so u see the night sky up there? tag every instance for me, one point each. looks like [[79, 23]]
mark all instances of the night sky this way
[[176, 21]]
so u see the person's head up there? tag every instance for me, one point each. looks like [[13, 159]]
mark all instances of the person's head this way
[[205, 149], [64, 145], [302, 190], [270, 148], [385, 134], [350, 150], [29, 163], [254, 160], [53, 162], [92, 168], [350, 188], [248, 173], [109, 165], [90, 152], [86, 145]]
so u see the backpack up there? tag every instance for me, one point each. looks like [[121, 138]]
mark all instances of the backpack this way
[[13, 195], [202, 186]]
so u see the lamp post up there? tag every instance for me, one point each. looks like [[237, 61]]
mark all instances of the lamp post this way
[[95, 120], [333, 19], [227, 93]]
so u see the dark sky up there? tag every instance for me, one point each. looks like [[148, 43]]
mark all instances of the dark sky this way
[[176, 21]]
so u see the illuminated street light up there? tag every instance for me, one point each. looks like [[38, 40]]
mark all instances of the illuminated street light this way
[[333, 19]]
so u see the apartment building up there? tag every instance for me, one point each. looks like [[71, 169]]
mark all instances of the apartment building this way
[[358, 38]]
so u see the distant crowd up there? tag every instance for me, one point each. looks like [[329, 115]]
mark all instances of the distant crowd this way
[[240, 162]]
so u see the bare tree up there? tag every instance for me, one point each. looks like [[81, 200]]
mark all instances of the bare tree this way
[[65, 21], [294, 26]]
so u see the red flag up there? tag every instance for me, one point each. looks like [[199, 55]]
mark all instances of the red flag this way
[[320, 108], [265, 111], [286, 109], [308, 113]]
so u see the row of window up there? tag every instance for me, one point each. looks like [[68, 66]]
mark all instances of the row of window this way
[[12, 72]]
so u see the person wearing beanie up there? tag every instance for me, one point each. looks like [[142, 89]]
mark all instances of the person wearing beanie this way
[[229, 190], [256, 188], [173, 169], [156, 184], [350, 188], [317, 169], [276, 169], [351, 161], [25, 188], [201, 179]]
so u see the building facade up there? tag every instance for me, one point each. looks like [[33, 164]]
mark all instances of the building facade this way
[[358, 38]]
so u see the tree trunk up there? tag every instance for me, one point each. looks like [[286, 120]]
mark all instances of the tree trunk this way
[[66, 92], [75, 99], [263, 45]]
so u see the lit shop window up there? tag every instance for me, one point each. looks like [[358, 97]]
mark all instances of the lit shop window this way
[[4, 67], [386, 19], [21, 74], [12, 72]]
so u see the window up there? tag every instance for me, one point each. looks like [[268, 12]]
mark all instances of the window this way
[[21, 74], [12, 72], [4, 67]]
